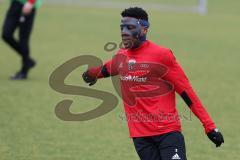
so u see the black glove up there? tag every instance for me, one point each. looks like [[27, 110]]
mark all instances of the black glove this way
[[88, 79], [216, 137]]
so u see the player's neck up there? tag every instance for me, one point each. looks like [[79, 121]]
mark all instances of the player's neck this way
[[138, 46]]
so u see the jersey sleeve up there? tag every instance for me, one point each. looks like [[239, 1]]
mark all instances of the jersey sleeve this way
[[109, 68], [177, 77]]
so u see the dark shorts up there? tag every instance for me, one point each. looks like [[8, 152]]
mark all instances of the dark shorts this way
[[169, 146]]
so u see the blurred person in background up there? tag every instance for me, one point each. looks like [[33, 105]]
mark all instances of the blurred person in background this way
[[20, 15]]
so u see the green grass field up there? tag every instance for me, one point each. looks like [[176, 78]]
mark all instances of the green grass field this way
[[206, 46]]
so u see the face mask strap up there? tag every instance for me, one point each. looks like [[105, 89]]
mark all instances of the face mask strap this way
[[144, 23]]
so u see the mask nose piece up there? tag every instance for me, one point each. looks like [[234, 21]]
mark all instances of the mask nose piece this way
[[125, 30]]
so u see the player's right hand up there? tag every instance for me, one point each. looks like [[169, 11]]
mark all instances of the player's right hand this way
[[88, 79], [216, 137]]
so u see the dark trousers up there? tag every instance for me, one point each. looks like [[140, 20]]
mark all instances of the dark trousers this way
[[14, 19], [169, 146]]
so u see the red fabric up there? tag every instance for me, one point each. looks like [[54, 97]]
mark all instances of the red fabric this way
[[150, 76], [95, 72], [32, 1]]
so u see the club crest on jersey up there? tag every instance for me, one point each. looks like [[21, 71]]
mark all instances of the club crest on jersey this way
[[131, 64]]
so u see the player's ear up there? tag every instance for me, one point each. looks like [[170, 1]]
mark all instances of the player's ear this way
[[144, 30]]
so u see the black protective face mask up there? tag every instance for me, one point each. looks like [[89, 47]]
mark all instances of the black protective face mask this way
[[132, 27]]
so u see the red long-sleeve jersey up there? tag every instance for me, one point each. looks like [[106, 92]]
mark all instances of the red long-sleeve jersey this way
[[149, 78]]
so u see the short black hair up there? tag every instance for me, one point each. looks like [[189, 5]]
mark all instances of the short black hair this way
[[135, 12]]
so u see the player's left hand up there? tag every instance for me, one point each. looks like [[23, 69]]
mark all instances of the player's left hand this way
[[216, 137], [27, 8]]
